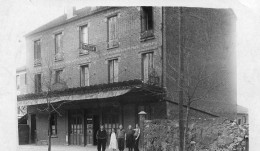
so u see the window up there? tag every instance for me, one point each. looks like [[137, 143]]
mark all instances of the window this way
[[112, 32], [147, 65], [58, 76], [147, 18], [25, 78], [53, 124], [113, 70], [38, 86], [17, 82], [58, 43], [83, 35], [244, 119], [37, 52], [147, 23], [239, 121], [84, 75]]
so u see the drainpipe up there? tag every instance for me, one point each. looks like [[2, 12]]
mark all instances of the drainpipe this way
[[163, 51]]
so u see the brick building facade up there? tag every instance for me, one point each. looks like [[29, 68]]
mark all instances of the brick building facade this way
[[106, 64]]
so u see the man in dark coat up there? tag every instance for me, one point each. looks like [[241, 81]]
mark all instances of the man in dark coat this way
[[101, 138]]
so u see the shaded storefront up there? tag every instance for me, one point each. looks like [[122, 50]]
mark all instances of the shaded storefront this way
[[83, 110]]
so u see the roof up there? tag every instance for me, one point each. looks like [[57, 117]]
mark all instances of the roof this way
[[90, 90], [242, 109], [78, 14]]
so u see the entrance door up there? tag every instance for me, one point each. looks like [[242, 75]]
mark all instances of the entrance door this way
[[33, 128], [76, 127], [95, 127]]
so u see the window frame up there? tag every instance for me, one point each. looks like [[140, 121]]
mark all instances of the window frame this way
[[81, 75], [37, 83], [148, 63], [37, 49], [112, 42], [58, 75], [81, 34], [58, 49], [18, 82], [53, 119], [145, 15], [25, 79], [114, 79]]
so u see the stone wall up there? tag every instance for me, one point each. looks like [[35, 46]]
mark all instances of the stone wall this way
[[203, 135]]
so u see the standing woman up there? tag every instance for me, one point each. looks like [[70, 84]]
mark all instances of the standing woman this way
[[130, 138], [113, 141], [121, 138], [136, 137]]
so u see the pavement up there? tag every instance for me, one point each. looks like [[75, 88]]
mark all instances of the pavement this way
[[56, 148]]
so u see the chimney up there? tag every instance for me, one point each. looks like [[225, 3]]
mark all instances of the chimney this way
[[70, 12]]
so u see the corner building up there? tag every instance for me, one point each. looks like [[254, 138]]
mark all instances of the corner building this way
[[106, 64]]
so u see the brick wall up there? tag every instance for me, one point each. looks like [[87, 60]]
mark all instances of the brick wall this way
[[129, 50]]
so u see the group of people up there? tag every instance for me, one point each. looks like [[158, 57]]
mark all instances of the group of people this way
[[119, 139]]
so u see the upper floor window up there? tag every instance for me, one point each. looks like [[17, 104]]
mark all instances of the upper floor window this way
[[84, 46], [57, 43], [113, 70], [84, 75], [83, 35], [147, 66], [37, 82], [53, 124], [17, 82], [58, 76], [25, 78], [37, 52], [147, 22], [112, 32], [58, 47]]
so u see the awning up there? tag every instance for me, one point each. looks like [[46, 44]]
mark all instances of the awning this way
[[95, 95]]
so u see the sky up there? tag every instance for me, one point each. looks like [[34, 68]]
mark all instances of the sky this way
[[18, 17]]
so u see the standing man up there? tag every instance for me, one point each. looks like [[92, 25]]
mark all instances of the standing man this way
[[101, 138], [136, 136], [121, 136]]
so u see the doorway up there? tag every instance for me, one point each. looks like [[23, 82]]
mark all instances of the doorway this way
[[33, 128], [95, 128], [76, 134]]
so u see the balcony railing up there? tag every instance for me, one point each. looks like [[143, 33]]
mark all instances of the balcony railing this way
[[112, 44], [59, 56], [37, 62], [148, 34], [85, 48]]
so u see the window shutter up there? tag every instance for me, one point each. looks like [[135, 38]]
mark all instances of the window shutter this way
[[35, 84], [115, 70], [61, 41], [86, 76], [111, 75], [35, 50], [145, 67]]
